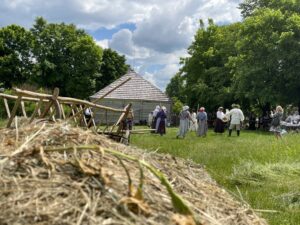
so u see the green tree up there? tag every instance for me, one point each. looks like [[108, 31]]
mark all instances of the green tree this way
[[205, 72], [66, 57], [251, 7], [266, 68], [113, 67], [176, 105], [15, 55], [176, 88]]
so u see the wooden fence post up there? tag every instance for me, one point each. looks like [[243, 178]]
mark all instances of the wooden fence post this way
[[54, 97], [23, 109], [6, 107], [36, 110], [13, 113]]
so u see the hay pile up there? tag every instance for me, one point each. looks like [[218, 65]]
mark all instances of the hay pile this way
[[59, 174]]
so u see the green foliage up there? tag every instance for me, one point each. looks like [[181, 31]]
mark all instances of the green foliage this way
[[266, 68], [113, 67], [3, 114], [57, 55], [66, 57], [205, 73], [176, 88], [15, 55], [255, 62], [251, 7], [176, 105]]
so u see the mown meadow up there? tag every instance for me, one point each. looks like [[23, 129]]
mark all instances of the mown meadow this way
[[255, 167]]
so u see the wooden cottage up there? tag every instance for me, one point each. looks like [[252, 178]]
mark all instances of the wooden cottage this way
[[143, 95]]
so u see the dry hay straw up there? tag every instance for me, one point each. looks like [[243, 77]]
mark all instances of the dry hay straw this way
[[82, 182]]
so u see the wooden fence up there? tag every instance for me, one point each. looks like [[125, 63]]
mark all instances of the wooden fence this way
[[55, 107]]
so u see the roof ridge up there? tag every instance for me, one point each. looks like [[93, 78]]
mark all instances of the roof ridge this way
[[122, 93]]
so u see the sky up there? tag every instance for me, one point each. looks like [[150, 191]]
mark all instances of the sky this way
[[152, 34]]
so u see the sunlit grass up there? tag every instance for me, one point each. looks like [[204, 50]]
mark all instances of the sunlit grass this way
[[266, 171]]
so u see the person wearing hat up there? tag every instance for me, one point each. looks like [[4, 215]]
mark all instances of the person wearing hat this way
[[237, 117], [219, 124], [202, 122], [184, 117]]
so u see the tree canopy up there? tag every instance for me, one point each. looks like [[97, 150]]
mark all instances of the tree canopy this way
[[53, 55], [254, 62]]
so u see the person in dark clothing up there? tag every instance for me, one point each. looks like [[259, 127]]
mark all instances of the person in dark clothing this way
[[161, 121], [219, 124], [275, 124]]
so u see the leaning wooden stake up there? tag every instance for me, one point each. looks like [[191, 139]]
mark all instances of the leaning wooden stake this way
[[23, 109], [13, 113], [54, 98], [6, 107], [36, 110]]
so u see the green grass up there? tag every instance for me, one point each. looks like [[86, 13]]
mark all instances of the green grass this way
[[266, 171]]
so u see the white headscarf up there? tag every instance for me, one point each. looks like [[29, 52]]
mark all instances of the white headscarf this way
[[186, 107]]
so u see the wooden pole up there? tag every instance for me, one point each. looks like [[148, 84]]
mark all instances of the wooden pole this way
[[36, 110], [66, 100], [6, 107], [52, 114], [23, 109], [13, 113], [63, 111], [53, 98]]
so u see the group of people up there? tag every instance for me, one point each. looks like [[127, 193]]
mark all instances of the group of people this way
[[158, 119], [235, 118], [192, 121], [198, 122]]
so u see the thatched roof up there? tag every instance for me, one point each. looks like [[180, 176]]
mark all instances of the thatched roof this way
[[135, 89]]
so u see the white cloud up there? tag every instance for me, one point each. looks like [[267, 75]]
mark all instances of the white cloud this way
[[103, 43], [164, 29]]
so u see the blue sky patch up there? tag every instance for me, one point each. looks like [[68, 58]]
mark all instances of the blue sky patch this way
[[104, 33]]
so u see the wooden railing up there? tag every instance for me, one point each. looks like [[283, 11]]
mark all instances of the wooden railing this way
[[53, 107]]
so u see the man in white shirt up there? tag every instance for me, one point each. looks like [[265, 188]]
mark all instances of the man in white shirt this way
[[236, 117]]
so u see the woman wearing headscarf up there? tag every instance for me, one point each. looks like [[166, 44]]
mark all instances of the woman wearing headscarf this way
[[154, 119], [202, 122], [161, 121], [219, 126], [193, 122], [184, 117]]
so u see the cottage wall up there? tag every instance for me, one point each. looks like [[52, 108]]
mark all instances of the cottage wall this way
[[141, 110]]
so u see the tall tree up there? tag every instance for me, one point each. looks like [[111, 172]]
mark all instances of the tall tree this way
[[176, 88], [66, 57], [15, 55], [113, 66], [266, 69], [208, 79], [249, 7]]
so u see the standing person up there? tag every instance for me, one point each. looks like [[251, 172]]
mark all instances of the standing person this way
[[129, 120], [219, 126], [202, 122], [237, 117], [161, 121], [184, 117], [193, 122], [154, 114], [150, 119], [88, 116], [275, 124]]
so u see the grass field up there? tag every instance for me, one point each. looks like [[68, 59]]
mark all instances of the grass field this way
[[255, 167]]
